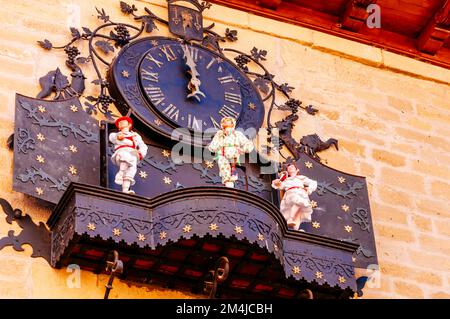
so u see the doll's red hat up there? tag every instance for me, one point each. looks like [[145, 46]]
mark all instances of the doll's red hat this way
[[124, 118]]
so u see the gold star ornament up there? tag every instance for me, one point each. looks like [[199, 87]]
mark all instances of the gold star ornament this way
[[187, 228], [238, 229], [316, 225], [313, 204], [143, 174], [40, 137], [41, 108], [213, 227], [91, 226], [252, 106], [73, 148], [348, 228], [296, 270], [39, 191], [162, 235], [209, 164], [141, 237], [157, 122], [260, 237], [342, 280], [125, 74], [74, 108], [319, 275], [154, 42], [40, 159], [165, 153], [116, 232], [341, 179], [167, 180], [345, 208], [72, 170], [308, 164]]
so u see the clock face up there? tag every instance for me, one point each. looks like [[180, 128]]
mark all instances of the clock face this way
[[165, 74], [168, 85]]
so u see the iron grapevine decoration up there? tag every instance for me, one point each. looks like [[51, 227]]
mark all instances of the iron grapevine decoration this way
[[188, 25]]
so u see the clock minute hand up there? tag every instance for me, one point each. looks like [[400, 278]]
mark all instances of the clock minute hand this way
[[194, 83]]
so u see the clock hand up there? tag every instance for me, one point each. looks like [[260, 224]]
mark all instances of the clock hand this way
[[194, 83]]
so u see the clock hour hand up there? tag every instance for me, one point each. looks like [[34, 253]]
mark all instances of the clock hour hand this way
[[194, 83]]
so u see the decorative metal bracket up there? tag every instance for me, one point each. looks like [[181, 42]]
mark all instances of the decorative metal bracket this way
[[37, 236], [219, 275], [116, 268]]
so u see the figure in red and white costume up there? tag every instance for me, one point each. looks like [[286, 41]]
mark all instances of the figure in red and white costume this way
[[129, 149], [295, 205]]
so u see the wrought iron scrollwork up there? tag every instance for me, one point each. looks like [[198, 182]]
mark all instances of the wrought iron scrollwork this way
[[211, 178], [324, 187], [114, 266], [361, 217], [219, 274], [80, 132], [33, 173], [38, 236], [101, 42], [25, 141]]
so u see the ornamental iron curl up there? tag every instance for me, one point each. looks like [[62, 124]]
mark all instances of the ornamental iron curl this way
[[361, 217], [25, 141], [219, 274], [324, 187], [80, 132], [115, 266], [37, 236], [33, 173]]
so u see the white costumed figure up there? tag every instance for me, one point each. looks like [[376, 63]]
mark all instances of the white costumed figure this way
[[229, 144], [129, 149], [295, 205]]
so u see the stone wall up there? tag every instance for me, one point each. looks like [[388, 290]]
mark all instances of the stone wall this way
[[390, 113]]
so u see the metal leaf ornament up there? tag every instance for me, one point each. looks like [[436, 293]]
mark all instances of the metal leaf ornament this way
[[47, 45], [104, 46], [126, 8]]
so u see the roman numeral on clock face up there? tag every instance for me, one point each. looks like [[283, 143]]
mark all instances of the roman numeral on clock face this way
[[155, 94], [194, 53], [214, 123], [228, 111], [149, 76], [233, 98], [172, 112], [194, 123], [213, 60], [167, 50], [152, 59], [226, 79]]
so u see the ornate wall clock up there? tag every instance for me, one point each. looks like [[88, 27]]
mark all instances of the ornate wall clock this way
[[188, 82], [171, 84]]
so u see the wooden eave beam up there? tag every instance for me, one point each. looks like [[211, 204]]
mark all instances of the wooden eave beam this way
[[355, 14], [436, 32], [269, 4]]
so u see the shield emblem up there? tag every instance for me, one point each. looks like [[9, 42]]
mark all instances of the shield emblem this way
[[186, 22]]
